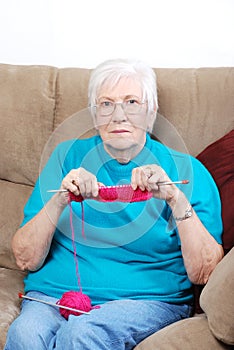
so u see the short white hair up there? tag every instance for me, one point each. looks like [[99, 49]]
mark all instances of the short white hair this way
[[111, 71]]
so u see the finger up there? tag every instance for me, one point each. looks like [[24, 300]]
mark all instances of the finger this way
[[95, 188], [91, 187], [74, 188], [134, 180], [69, 185], [87, 188], [153, 183], [147, 171], [139, 179], [80, 183], [145, 176]]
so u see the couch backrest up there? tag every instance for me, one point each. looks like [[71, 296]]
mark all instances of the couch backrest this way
[[34, 100]]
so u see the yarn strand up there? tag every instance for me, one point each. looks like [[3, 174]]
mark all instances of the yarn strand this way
[[73, 241], [75, 299]]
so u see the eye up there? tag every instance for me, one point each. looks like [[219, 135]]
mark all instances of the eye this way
[[106, 104], [132, 101]]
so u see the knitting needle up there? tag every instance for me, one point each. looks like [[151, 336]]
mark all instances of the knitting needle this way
[[52, 304], [54, 191], [160, 183], [163, 183]]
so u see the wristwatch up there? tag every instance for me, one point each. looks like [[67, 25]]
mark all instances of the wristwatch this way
[[187, 215]]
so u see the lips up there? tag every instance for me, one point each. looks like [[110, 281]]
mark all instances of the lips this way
[[120, 131]]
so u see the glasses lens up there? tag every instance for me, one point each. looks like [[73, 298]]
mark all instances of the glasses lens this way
[[132, 107], [106, 108]]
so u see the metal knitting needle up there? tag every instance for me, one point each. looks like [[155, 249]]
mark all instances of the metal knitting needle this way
[[160, 183], [163, 183], [52, 304], [54, 191]]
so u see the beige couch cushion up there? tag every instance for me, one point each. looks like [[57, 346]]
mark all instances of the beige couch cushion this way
[[193, 101], [189, 334], [11, 209], [217, 300], [27, 103], [72, 92], [11, 283]]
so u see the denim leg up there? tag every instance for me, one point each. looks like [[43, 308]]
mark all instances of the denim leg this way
[[118, 325], [36, 326]]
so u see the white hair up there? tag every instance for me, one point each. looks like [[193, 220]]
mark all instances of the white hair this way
[[111, 71]]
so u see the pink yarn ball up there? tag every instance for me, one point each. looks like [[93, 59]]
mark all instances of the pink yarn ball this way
[[74, 300]]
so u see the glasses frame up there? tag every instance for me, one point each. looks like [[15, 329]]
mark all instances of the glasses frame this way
[[123, 105]]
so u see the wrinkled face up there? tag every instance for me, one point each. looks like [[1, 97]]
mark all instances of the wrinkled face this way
[[122, 127]]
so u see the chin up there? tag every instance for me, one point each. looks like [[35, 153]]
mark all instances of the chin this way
[[121, 144]]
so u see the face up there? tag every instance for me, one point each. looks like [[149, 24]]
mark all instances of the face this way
[[123, 134]]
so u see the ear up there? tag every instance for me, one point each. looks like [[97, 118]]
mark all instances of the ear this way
[[94, 118], [151, 119], [95, 124]]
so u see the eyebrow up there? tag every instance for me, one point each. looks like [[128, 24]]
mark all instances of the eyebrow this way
[[124, 97]]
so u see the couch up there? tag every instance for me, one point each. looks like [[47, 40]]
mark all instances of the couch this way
[[42, 105]]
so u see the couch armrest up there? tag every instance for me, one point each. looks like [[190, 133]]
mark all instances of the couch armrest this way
[[189, 334], [217, 300], [11, 282]]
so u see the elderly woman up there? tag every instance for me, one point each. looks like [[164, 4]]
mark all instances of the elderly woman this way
[[137, 260]]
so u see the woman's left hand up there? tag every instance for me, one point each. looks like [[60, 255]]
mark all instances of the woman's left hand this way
[[148, 177]]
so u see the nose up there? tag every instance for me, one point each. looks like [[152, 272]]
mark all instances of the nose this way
[[118, 114]]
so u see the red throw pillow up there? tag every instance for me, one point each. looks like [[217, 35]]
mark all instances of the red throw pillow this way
[[218, 158]]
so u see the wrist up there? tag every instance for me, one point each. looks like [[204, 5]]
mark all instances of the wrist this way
[[187, 214], [60, 200], [180, 207], [172, 201]]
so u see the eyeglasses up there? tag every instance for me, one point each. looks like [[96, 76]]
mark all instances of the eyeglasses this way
[[130, 107]]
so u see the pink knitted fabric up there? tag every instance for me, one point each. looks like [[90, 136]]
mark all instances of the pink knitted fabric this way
[[122, 193]]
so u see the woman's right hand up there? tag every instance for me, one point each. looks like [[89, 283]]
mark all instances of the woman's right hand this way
[[81, 181]]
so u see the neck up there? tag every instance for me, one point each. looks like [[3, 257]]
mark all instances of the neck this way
[[123, 156]]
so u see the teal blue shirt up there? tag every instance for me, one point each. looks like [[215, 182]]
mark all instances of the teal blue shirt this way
[[130, 250]]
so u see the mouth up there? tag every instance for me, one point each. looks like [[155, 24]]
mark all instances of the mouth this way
[[119, 131]]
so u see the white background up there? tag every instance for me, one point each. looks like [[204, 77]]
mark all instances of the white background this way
[[82, 33]]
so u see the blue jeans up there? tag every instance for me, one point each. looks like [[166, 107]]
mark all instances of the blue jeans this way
[[118, 325]]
